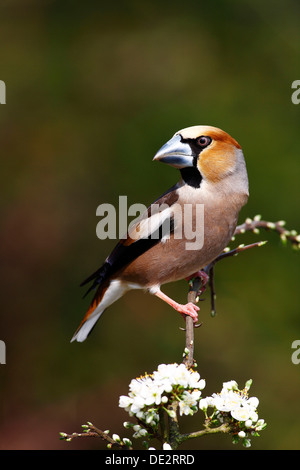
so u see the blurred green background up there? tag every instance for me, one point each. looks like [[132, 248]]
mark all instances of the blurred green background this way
[[93, 90]]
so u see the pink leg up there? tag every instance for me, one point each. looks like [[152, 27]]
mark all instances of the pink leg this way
[[188, 309]]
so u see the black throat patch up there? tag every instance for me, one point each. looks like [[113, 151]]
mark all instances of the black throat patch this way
[[191, 176]]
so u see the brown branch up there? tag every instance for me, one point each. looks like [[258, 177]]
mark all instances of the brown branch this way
[[223, 428], [193, 296], [174, 433]]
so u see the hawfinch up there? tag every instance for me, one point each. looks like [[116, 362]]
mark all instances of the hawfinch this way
[[158, 247]]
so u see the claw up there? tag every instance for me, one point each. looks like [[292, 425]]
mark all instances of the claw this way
[[195, 326]]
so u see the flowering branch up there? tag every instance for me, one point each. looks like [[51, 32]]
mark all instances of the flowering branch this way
[[177, 390], [173, 390]]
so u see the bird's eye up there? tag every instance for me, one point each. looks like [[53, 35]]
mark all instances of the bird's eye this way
[[203, 141]]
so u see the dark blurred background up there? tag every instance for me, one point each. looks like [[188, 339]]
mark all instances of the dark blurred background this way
[[93, 90]]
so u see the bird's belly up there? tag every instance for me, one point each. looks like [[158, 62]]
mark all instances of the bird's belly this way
[[176, 259]]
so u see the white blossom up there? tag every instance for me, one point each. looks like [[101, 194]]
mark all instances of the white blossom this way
[[235, 402], [227, 400], [168, 382], [189, 401], [125, 402], [231, 385], [253, 402], [203, 404], [167, 446]]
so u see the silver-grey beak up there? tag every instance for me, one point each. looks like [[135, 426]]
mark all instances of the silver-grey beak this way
[[175, 153]]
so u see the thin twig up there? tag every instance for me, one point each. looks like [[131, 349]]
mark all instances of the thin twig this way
[[211, 282], [209, 269], [92, 431], [279, 227], [233, 252]]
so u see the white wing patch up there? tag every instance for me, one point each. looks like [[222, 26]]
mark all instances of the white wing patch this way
[[149, 227]]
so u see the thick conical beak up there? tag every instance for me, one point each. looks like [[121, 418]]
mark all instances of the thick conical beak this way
[[175, 153]]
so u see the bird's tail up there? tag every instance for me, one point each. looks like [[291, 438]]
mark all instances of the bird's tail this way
[[107, 293], [98, 277]]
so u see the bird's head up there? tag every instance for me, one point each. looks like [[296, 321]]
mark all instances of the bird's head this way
[[202, 152]]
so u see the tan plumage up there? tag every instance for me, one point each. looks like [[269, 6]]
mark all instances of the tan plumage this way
[[213, 176]]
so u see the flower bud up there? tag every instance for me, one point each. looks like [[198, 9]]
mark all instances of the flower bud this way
[[127, 441]]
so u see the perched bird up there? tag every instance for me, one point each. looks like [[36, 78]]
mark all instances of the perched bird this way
[[214, 178]]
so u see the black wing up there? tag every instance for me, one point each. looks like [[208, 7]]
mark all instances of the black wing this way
[[128, 249]]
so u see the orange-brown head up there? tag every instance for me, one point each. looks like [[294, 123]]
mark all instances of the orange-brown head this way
[[203, 152]]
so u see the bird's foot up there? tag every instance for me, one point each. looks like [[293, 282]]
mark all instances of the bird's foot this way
[[188, 309], [204, 278]]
